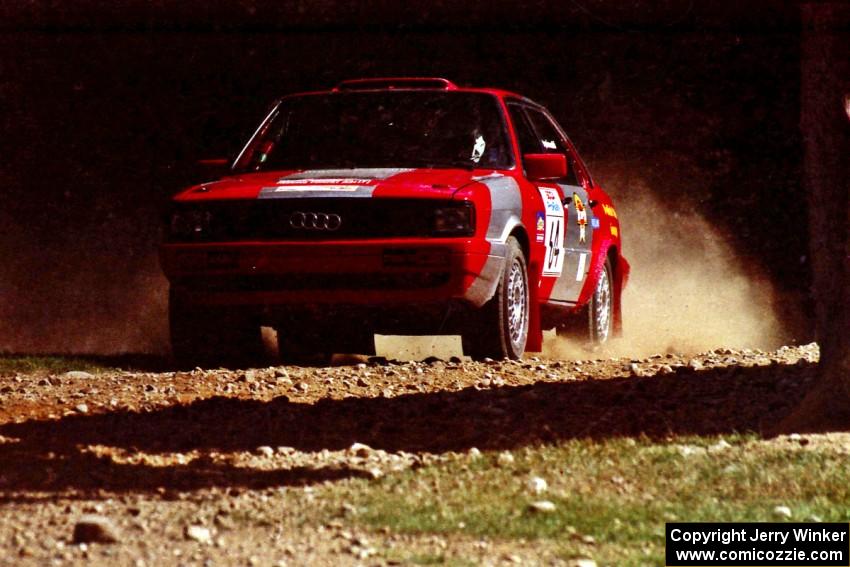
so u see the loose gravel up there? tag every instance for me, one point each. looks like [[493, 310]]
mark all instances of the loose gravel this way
[[219, 466]]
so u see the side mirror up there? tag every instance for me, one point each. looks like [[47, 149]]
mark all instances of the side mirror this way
[[542, 167]]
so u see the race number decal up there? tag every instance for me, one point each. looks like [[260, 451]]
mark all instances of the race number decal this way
[[553, 236]]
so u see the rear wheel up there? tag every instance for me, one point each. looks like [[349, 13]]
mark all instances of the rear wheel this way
[[602, 308], [500, 328], [312, 338], [303, 347], [592, 324], [205, 336]]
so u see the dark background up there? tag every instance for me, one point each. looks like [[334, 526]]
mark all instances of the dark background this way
[[104, 109]]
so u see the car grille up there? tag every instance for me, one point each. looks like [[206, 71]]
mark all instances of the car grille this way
[[233, 221]]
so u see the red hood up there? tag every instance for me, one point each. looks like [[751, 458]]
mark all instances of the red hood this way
[[421, 183]]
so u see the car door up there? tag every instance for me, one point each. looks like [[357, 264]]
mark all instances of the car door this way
[[578, 215], [550, 223]]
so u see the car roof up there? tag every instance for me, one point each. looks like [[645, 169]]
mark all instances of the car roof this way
[[410, 84]]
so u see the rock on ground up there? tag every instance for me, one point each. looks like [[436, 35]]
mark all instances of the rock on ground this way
[[92, 528]]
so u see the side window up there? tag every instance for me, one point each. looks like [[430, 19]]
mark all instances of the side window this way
[[528, 142], [551, 141]]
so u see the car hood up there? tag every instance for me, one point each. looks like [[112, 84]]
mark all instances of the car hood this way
[[337, 183]]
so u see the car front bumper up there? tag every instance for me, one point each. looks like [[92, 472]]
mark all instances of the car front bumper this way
[[373, 272]]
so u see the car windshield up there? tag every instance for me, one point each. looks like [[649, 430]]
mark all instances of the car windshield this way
[[381, 129]]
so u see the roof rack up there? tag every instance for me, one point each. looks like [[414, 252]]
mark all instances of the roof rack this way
[[396, 83]]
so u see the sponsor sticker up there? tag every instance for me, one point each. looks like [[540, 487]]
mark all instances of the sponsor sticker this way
[[594, 223], [339, 188], [552, 201], [342, 185], [610, 211], [615, 232], [540, 226], [325, 181], [582, 261], [581, 218]]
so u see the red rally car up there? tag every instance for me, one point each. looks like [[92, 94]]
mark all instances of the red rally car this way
[[394, 206]]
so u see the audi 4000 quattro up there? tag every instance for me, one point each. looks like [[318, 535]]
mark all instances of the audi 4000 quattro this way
[[394, 206]]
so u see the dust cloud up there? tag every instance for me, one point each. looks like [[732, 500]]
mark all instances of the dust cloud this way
[[687, 293], [86, 312], [71, 284]]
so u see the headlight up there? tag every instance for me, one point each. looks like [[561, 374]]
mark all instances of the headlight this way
[[457, 219], [190, 224]]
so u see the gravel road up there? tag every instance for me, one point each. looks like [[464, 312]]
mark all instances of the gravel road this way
[[167, 464]]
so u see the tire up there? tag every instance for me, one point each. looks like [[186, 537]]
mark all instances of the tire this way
[[602, 307], [312, 338], [500, 328], [301, 353], [212, 336], [301, 343], [592, 324]]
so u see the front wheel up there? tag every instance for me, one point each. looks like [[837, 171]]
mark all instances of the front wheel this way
[[500, 328]]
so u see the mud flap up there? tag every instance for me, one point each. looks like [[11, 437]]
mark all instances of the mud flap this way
[[534, 343], [621, 276]]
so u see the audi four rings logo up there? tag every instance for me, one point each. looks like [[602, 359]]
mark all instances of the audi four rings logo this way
[[315, 221]]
